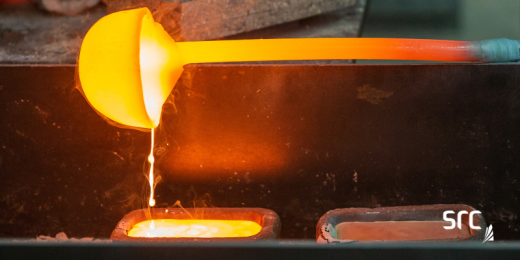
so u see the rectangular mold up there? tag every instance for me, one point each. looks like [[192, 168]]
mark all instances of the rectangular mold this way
[[267, 219], [326, 229]]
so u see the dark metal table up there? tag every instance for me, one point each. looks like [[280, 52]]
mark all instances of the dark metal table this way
[[257, 250]]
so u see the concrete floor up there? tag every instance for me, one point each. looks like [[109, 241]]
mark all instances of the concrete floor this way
[[470, 20]]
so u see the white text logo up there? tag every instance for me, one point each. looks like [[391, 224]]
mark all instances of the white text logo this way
[[458, 222]]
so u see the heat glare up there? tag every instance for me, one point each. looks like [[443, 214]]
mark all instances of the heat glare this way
[[194, 228]]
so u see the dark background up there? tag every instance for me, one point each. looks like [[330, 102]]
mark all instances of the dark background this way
[[296, 139]]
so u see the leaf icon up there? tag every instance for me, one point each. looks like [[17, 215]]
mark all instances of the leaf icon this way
[[489, 234]]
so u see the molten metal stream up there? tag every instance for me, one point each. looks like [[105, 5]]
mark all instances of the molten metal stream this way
[[151, 159]]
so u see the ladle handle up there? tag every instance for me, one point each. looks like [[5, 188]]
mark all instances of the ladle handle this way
[[495, 50], [325, 49]]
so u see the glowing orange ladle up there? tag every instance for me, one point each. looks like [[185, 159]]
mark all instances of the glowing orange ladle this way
[[128, 64]]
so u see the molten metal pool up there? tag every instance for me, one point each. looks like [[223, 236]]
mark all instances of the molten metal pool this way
[[195, 228], [200, 224]]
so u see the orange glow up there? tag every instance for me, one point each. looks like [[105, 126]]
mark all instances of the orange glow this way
[[160, 66], [128, 64], [194, 228], [109, 68]]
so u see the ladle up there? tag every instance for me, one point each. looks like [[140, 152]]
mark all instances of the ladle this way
[[128, 64]]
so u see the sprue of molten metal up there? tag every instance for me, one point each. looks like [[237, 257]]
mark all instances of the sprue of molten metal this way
[[151, 159]]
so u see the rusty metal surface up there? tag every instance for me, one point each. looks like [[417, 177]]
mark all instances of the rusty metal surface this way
[[299, 140]]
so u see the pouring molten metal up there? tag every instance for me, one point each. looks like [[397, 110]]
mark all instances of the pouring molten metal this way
[[128, 64]]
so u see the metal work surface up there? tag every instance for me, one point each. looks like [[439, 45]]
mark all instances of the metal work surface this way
[[258, 250], [32, 36], [297, 139], [29, 35]]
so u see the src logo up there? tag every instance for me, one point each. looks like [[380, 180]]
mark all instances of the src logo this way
[[458, 222]]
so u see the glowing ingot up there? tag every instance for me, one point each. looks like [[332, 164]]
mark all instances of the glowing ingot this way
[[194, 228]]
